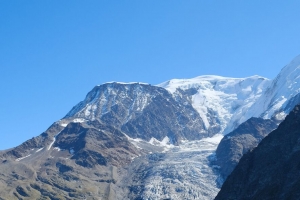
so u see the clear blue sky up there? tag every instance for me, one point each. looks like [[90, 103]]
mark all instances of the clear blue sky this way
[[53, 52]]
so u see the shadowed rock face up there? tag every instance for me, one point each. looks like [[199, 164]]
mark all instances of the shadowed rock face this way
[[143, 111], [272, 170], [166, 117], [243, 139]]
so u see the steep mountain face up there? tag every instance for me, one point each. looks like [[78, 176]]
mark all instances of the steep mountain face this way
[[223, 103], [142, 111], [270, 171], [282, 95], [238, 142]]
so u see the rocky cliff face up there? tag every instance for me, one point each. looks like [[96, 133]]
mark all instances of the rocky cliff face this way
[[270, 171], [238, 142], [142, 111]]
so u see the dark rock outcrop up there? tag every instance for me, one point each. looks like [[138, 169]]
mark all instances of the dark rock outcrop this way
[[243, 139], [272, 170]]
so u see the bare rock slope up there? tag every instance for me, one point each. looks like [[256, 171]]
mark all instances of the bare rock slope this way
[[238, 142], [270, 171]]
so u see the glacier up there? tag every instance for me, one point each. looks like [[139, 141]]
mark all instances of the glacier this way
[[228, 98], [181, 172]]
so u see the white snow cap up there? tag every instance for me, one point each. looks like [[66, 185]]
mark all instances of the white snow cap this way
[[284, 87], [227, 98]]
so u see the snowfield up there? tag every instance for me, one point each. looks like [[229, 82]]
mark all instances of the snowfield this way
[[228, 99]]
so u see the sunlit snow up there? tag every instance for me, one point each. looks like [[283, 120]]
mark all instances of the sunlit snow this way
[[54, 139], [284, 87], [18, 159], [39, 150], [228, 98]]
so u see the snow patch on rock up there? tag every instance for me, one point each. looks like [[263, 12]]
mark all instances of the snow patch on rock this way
[[18, 159], [39, 149]]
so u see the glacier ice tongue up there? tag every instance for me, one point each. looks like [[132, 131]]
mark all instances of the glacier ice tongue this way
[[183, 172]]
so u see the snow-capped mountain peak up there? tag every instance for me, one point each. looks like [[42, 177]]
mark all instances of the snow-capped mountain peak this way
[[224, 98], [282, 94]]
